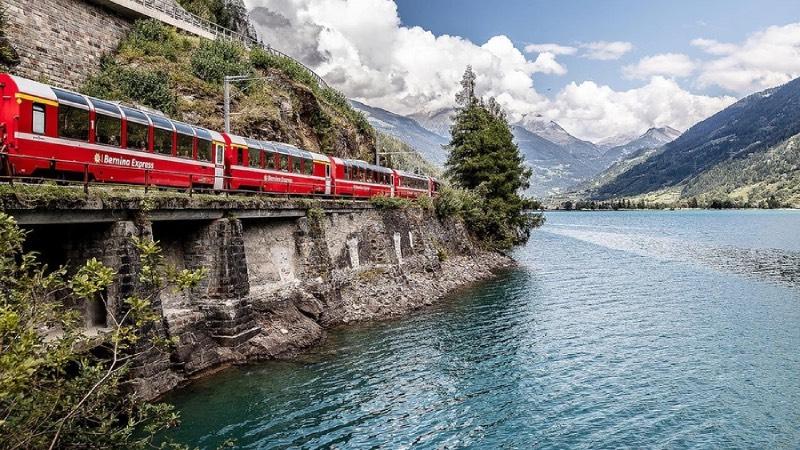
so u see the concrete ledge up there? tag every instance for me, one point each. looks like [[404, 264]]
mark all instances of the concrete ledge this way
[[137, 10]]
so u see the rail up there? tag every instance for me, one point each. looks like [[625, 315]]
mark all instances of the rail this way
[[177, 12]]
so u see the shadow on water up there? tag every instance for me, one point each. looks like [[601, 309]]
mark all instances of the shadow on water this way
[[605, 337]]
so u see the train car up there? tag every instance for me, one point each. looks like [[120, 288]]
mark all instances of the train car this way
[[275, 167], [434, 186], [54, 133], [359, 179], [409, 185]]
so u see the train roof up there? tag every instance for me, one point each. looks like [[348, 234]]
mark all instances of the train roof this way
[[111, 108], [412, 175], [34, 88], [365, 165]]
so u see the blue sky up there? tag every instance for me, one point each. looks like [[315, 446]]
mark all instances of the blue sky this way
[[652, 27]]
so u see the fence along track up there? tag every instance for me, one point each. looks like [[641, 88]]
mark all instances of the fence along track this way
[[175, 11]]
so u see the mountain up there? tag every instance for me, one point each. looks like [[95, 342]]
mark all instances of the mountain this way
[[742, 133], [437, 121], [427, 143], [553, 132], [554, 166], [652, 138]]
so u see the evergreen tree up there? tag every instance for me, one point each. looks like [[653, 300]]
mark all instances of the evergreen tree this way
[[484, 159]]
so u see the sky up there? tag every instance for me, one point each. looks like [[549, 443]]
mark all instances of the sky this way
[[601, 69]]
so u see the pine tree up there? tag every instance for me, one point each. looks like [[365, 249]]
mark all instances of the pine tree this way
[[484, 158]]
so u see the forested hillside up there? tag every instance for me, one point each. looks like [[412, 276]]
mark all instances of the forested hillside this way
[[751, 126]]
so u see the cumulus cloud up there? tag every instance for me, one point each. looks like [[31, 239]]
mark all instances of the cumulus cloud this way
[[373, 58], [765, 59], [555, 49], [606, 51], [666, 64], [595, 112]]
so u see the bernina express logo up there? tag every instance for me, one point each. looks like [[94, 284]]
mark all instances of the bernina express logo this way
[[122, 162], [271, 179]]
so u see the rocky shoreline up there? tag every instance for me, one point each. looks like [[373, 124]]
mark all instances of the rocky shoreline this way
[[291, 324], [276, 286]]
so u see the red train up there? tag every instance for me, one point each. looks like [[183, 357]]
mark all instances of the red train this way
[[54, 133]]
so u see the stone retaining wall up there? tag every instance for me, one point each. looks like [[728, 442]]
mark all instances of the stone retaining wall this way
[[61, 42]]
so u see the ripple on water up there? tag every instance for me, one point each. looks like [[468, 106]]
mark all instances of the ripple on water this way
[[621, 330]]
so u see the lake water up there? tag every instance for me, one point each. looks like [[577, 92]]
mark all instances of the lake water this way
[[664, 329]]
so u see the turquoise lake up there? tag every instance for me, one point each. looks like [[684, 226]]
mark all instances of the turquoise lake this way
[[662, 329]]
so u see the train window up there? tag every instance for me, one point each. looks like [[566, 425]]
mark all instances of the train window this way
[[254, 157], [308, 166], [185, 145], [269, 160], [107, 130], [38, 118], [284, 162], [203, 150], [162, 141], [240, 152], [73, 123], [137, 136], [296, 164]]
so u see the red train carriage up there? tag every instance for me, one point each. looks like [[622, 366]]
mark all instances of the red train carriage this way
[[355, 178], [52, 132], [409, 185], [276, 167]]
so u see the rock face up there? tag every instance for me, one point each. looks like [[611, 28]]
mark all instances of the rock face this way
[[274, 285]]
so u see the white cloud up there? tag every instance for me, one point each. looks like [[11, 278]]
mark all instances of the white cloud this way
[[555, 49], [765, 59], [594, 112], [666, 64], [606, 51], [375, 59], [714, 47]]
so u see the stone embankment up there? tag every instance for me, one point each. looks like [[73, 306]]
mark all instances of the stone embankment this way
[[275, 282], [289, 281]]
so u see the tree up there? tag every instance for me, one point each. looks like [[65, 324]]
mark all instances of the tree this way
[[483, 158], [60, 388], [466, 97]]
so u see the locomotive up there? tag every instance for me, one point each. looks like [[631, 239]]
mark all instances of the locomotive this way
[[48, 132]]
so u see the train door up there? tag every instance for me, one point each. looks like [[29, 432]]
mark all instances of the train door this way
[[327, 179], [219, 166], [393, 194]]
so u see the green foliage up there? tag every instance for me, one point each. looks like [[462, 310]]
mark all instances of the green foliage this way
[[390, 202], [215, 11], [54, 393], [135, 85], [8, 56], [485, 160], [153, 38], [424, 202], [214, 60]]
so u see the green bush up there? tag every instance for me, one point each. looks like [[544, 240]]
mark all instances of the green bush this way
[[59, 387], [153, 38], [214, 60], [135, 85], [449, 202], [390, 202], [424, 202]]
